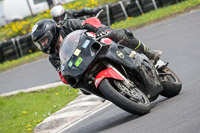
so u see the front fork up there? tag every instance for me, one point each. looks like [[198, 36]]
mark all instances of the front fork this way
[[110, 72]]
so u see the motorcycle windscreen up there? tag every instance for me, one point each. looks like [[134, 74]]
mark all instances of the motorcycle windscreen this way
[[69, 45], [77, 53]]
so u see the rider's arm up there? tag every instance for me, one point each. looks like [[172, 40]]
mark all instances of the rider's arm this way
[[91, 24], [71, 25], [55, 61], [83, 12]]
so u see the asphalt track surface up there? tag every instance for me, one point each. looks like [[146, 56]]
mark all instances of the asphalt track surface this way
[[34, 74], [179, 39]]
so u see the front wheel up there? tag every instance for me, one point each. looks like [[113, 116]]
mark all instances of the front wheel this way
[[171, 83], [129, 98]]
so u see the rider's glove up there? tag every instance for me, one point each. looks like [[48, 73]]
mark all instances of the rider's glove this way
[[90, 28], [62, 78], [92, 24]]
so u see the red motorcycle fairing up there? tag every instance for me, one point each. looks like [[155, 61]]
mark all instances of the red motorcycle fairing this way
[[107, 73], [106, 40]]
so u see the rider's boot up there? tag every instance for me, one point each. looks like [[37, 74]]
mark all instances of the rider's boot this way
[[140, 47], [151, 54]]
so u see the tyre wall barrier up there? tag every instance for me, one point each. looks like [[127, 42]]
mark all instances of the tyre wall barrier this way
[[131, 8], [16, 48], [22, 45]]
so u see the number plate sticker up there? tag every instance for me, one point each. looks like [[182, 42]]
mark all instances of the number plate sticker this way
[[77, 52], [86, 43], [78, 61], [70, 64]]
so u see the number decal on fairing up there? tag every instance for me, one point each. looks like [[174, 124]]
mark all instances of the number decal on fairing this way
[[77, 52], [78, 61], [70, 64]]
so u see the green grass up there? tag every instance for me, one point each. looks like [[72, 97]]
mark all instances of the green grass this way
[[79, 4], [156, 14], [22, 112]]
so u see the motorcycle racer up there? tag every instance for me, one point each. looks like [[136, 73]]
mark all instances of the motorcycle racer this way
[[47, 36], [60, 15]]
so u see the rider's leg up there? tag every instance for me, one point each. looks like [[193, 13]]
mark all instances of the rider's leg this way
[[125, 37]]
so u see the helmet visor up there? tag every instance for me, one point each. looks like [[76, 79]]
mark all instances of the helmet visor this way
[[59, 18], [44, 41]]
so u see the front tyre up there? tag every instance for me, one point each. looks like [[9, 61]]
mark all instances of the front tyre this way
[[128, 98], [171, 83]]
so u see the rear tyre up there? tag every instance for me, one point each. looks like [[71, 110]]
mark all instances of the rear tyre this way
[[129, 99], [171, 83]]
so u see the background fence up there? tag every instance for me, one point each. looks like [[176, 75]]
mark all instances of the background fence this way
[[22, 45]]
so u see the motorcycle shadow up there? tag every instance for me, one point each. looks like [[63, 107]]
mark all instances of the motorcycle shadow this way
[[157, 101]]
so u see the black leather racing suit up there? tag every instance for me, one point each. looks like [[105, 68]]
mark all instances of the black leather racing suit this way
[[69, 26], [80, 14], [123, 36], [71, 14]]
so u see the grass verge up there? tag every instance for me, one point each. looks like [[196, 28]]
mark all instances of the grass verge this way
[[22, 112], [158, 15]]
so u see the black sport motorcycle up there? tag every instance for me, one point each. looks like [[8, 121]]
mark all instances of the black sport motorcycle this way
[[116, 73]]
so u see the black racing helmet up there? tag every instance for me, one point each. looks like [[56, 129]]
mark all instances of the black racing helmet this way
[[45, 35]]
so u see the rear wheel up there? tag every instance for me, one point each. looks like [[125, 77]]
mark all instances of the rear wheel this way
[[128, 98], [171, 83]]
